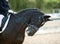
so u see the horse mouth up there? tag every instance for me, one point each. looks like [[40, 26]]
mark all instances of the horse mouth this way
[[31, 31]]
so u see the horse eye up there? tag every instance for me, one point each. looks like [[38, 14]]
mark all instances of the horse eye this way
[[40, 18]]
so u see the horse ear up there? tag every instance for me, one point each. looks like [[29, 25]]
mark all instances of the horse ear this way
[[46, 16]]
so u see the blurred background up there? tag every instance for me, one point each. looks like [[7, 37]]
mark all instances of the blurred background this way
[[50, 32], [45, 5]]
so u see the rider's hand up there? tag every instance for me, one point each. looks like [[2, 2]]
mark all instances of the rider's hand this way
[[11, 12]]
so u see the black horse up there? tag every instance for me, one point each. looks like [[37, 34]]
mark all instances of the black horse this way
[[15, 31]]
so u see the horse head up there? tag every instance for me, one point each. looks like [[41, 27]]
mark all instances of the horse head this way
[[37, 21]]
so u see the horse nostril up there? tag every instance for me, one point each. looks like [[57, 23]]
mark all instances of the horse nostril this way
[[30, 33]]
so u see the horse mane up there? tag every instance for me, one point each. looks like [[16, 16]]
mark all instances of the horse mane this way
[[27, 9], [33, 10]]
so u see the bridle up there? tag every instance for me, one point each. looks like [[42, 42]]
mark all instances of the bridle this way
[[35, 28]]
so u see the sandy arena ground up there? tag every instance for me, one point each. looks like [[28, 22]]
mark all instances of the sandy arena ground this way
[[51, 34], [52, 38]]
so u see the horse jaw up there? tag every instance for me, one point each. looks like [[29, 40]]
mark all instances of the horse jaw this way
[[31, 31]]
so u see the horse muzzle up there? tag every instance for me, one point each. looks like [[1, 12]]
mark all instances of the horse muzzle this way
[[32, 30]]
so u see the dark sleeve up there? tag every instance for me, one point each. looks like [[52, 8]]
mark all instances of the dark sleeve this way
[[4, 5]]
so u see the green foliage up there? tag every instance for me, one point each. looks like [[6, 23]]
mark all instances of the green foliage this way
[[16, 5], [44, 5]]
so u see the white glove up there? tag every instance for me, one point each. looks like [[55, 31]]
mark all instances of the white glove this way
[[12, 12]]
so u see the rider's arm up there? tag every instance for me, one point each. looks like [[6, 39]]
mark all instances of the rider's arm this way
[[4, 5]]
